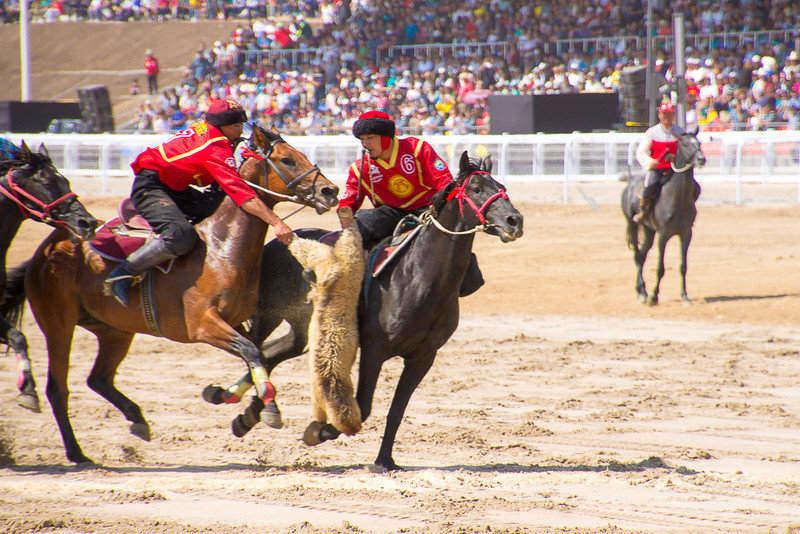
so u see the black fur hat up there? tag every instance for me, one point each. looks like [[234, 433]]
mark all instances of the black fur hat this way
[[374, 122]]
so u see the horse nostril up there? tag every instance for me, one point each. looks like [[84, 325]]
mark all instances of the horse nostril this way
[[330, 191]]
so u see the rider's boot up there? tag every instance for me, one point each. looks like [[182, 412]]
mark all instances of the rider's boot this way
[[645, 205], [120, 280], [473, 280]]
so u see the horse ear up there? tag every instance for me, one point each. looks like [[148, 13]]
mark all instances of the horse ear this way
[[487, 164], [258, 137], [463, 164], [24, 151], [694, 130], [43, 151]]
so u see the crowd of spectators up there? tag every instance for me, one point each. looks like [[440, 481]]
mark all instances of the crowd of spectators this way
[[738, 84]]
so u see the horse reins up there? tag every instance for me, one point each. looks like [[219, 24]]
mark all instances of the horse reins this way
[[290, 183], [459, 193], [14, 191]]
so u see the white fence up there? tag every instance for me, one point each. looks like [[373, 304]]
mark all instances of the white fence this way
[[743, 167]]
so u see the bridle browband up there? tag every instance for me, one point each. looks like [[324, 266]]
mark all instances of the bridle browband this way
[[291, 184], [459, 193], [14, 192]]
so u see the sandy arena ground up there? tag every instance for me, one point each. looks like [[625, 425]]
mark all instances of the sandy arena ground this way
[[561, 404]]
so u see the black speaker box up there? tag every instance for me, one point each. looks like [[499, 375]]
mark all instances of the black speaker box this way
[[96, 108], [560, 113], [34, 117]]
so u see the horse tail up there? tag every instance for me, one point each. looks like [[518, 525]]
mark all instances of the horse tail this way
[[12, 302], [630, 234]]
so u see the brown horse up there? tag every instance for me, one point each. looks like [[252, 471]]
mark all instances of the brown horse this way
[[206, 291]]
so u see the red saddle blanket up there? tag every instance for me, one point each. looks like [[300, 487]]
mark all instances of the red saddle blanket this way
[[122, 235]]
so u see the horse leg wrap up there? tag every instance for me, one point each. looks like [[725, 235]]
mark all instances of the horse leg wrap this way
[[234, 394], [264, 388], [24, 369]]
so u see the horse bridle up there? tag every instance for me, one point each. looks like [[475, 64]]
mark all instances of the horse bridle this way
[[291, 184], [459, 193], [14, 192], [688, 165]]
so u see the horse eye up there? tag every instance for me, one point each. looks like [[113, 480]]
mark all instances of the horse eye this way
[[288, 161]]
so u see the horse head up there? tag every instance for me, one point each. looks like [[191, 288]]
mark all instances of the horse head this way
[[482, 201], [43, 193], [689, 154], [281, 172]]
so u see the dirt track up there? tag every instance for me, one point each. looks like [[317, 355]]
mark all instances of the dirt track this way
[[561, 404]]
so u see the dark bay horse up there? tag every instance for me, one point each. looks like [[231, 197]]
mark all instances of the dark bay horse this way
[[673, 214], [206, 291], [32, 188], [410, 310]]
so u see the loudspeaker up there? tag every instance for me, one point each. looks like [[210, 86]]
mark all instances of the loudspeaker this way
[[96, 108], [561, 113], [633, 93], [34, 117]]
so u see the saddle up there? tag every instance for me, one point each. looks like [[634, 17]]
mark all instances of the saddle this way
[[124, 234]]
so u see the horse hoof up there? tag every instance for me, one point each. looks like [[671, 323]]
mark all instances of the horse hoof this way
[[271, 415], [80, 460], [141, 430], [687, 302], [652, 301], [29, 401], [311, 435], [244, 422], [213, 394], [642, 298]]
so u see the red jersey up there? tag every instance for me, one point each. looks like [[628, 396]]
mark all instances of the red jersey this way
[[199, 155], [413, 174], [150, 65]]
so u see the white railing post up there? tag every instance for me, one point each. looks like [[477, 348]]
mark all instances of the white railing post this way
[[739, 150]]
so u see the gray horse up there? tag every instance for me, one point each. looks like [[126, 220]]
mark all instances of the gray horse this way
[[673, 214]]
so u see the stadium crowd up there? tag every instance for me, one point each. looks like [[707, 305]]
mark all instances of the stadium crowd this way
[[345, 69]]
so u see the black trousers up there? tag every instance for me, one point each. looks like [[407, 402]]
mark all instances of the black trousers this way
[[379, 223], [171, 213]]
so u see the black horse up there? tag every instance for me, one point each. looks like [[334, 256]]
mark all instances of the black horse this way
[[410, 310], [31, 187], [673, 214]]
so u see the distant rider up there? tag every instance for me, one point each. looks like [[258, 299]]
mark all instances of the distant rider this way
[[655, 154]]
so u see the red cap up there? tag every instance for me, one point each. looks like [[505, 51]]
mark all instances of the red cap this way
[[666, 106]]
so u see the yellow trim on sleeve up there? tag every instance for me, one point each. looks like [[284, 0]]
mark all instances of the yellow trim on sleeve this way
[[191, 152]]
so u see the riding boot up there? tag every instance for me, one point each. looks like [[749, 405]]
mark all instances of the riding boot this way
[[645, 205], [473, 280], [120, 280]]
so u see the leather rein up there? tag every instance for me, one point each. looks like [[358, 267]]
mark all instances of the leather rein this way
[[43, 214], [290, 183]]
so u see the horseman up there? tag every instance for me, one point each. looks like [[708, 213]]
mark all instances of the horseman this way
[[655, 153], [400, 177], [200, 155]]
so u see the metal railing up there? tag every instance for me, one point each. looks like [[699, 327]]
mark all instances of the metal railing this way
[[742, 162], [701, 42], [457, 50]]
